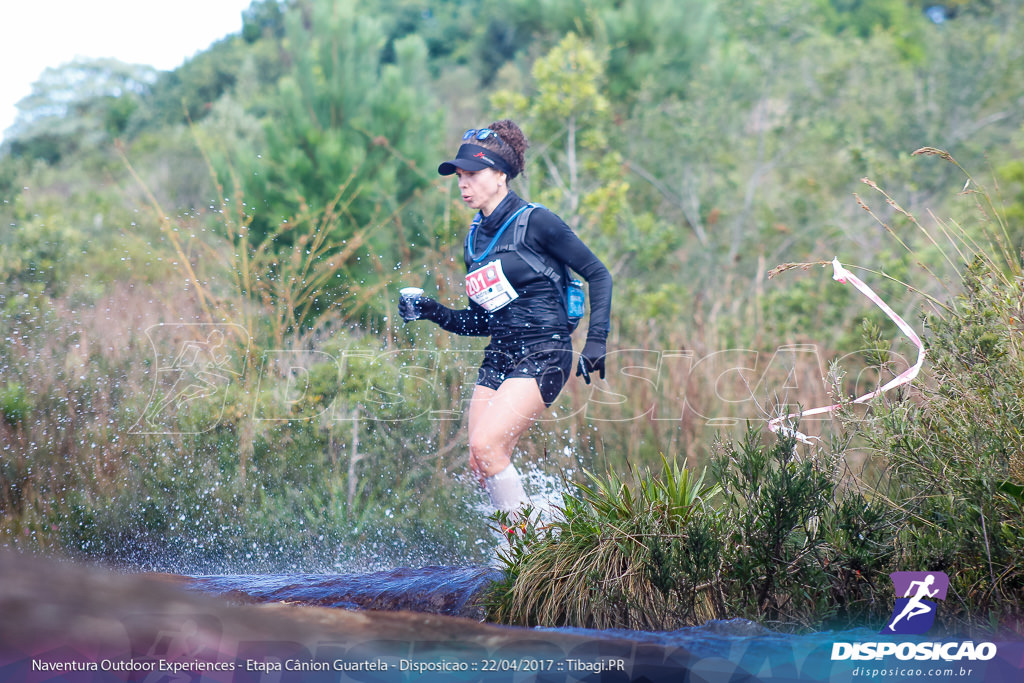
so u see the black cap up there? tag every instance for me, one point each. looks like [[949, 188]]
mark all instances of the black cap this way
[[476, 158]]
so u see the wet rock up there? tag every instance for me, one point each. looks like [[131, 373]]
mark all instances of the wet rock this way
[[93, 624]]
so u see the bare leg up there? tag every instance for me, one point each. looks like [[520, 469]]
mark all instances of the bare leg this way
[[496, 421]]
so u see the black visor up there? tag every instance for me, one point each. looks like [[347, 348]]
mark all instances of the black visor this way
[[476, 158]]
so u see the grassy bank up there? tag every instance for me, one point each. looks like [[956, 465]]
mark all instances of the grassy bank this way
[[782, 538]]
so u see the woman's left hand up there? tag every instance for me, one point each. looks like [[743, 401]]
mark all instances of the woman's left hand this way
[[591, 359]]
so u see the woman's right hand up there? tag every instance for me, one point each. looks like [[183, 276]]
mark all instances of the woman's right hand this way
[[415, 308]]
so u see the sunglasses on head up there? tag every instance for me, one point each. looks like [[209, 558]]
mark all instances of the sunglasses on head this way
[[480, 134]]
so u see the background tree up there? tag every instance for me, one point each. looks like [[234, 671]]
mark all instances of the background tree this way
[[339, 121], [79, 105]]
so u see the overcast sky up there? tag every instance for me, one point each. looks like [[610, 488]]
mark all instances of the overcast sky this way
[[37, 34]]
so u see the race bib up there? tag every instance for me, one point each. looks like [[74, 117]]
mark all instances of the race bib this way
[[488, 287]]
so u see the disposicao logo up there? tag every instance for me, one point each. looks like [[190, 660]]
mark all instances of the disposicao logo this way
[[914, 614]]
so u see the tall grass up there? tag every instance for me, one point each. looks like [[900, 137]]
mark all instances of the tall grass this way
[[591, 566], [954, 448]]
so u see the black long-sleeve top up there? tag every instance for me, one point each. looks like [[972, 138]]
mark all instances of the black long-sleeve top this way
[[538, 312]]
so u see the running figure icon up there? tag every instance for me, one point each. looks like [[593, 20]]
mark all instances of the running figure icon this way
[[914, 612], [193, 365], [914, 606]]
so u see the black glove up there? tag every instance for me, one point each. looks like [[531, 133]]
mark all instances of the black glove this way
[[592, 358], [415, 308]]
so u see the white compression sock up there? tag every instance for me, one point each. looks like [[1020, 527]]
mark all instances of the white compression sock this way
[[506, 490]]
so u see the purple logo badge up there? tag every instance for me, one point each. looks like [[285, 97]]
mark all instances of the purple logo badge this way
[[914, 613]]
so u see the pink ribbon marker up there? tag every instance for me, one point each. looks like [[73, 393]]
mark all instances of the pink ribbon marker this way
[[843, 276]]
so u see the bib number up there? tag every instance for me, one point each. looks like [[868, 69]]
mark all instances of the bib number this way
[[488, 287]]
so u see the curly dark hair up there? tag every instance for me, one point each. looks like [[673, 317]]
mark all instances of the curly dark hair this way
[[511, 144]]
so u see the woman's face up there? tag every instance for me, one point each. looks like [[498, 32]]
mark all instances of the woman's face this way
[[482, 190]]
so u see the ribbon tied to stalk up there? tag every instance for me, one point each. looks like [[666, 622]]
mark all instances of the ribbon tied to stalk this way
[[843, 276]]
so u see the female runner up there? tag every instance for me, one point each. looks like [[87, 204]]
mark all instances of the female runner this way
[[523, 311]]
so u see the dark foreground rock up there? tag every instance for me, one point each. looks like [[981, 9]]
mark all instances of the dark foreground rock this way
[[61, 621]]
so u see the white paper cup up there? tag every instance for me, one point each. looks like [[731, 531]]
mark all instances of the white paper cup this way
[[411, 293]]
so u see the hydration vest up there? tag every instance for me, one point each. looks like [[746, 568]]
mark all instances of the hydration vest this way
[[571, 290]]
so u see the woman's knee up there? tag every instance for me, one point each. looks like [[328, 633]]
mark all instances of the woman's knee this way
[[482, 442], [488, 451]]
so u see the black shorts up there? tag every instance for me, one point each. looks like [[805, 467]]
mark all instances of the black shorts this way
[[548, 362]]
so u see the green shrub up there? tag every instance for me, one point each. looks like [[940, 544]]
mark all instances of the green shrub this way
[[955, 452], [774, 541], [14, 403], [775, 500], [602, 562]]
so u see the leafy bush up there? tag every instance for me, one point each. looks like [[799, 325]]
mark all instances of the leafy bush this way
[[775, 540], [14, 403], [801, 551], [772, 541], [774, 502]]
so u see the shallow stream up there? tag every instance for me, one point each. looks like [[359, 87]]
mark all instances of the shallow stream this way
[[716, 651]]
